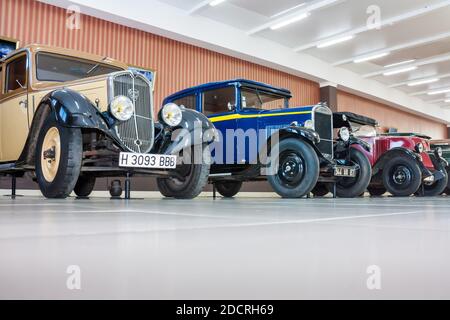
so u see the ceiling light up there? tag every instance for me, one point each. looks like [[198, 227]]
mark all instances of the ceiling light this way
[[288, 10], [216, 2], [374, 57], [447, 101], [391, 73], [335, 41], [290, 21], [420, 82], [433, 93], [400, 63]]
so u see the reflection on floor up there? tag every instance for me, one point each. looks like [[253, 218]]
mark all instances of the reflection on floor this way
[[244, 248]]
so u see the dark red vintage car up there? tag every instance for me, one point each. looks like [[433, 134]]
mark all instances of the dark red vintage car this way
[[403, 163]]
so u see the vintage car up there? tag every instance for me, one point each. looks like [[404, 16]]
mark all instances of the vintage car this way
[[260, 137], [403, 163], [444, 146], [69, 117]]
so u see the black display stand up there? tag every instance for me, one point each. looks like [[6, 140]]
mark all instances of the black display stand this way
[[13, 194]]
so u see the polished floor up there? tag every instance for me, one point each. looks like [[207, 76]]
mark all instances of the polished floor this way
[[245, 248]]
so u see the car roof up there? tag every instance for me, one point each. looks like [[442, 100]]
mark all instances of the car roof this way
[[220, 84], [34, 48]]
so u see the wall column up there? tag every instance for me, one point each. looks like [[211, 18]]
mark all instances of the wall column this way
[[328, 94]]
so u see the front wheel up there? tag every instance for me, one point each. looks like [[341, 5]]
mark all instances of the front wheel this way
[[354, 187], [85, 185], [295, 169], [191, 178], [436, 188], [402, 176], [58, 159], [228, 189]]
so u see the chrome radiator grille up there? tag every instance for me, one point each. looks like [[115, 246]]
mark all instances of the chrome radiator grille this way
[[323, 125], [137, 134]]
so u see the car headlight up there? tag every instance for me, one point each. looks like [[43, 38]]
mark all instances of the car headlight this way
[[420, 148], [439, 152], [344, 134], [309, 124], [171, 114], [121, 108]]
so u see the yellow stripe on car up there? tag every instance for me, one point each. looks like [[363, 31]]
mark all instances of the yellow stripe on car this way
[[241, 116]]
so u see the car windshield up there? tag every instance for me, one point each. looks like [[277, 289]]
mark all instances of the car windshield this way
[[57, 68], [255, 99], [363, 130]]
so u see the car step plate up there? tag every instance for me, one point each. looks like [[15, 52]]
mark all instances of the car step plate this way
[[147, 161], [345, 172]]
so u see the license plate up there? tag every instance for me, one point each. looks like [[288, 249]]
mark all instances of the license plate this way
[[345, 172], [149, 161]]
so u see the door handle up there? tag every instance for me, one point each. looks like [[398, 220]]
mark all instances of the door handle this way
[[24, 104]]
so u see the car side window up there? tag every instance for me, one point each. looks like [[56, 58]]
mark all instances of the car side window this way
[[188, 102], [219, 100], [16, 74]]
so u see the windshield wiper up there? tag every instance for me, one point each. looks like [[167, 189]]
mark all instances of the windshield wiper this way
[[96, 66]]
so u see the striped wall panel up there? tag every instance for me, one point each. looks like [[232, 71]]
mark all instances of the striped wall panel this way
[[389, 117], [178, 65]]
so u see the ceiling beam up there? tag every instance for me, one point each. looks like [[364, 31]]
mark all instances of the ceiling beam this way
[[315, 5], [402, 46], [405, 83], [384, 23], [199, 6], [418, 63]]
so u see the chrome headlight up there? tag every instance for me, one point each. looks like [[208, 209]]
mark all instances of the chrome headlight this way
[[344, 134], [171, 114], [121, 108], [309, 124], [439, 152], [420, 148]]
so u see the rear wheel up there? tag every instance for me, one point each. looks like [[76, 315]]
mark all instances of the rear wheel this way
[[376, 191], [354, 187], [402, 176], [190, 181], [295, 169], [84, 187], [436, 188], [58, 159], [228, 189], [320, 190]]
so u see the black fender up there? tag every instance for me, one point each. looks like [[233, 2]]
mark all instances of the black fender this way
[[342, 148], [70, 109], [400, 152], [356, 141], [195, 129]]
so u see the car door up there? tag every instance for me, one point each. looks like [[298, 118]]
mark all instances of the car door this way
[[14, 107], [219, 105]]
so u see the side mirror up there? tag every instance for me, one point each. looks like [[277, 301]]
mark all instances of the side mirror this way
[[231, 106]]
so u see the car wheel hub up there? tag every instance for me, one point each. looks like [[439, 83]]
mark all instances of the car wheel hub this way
[[51, 153], [292, 168], [402, 175]]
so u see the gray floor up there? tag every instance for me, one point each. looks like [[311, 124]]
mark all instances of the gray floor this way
[[247, 248]]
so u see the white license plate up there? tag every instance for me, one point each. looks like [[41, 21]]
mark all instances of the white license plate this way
[[149, 161], [345, 172]]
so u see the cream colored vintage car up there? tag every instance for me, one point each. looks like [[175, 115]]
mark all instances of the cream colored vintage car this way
[[71, 117]]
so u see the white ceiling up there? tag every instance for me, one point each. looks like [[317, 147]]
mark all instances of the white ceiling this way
[[410, 29], [411, 37]]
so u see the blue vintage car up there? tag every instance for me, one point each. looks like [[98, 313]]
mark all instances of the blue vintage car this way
[[295, 147]]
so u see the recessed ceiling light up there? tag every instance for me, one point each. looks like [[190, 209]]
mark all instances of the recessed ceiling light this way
[[391, 73], [400, 63], [433, 93], [290, 21], [216, 2], [335, 41], [420, 82], [374, 57]]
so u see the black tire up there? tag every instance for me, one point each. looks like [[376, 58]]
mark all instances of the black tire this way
[[402, 176], [447, 190], [297, 169], [194, 179], [70, 158], [228, 189], [354, 187], [320, 190], [435, 189], [85, 185], [376, 191]]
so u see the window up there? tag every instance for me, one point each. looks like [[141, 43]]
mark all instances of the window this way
[[16, 74], [254, 99], [188, 102], [219, 100], [57, 68]]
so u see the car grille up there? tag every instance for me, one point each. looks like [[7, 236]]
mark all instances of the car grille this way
[[137, 134], [323, 125]]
